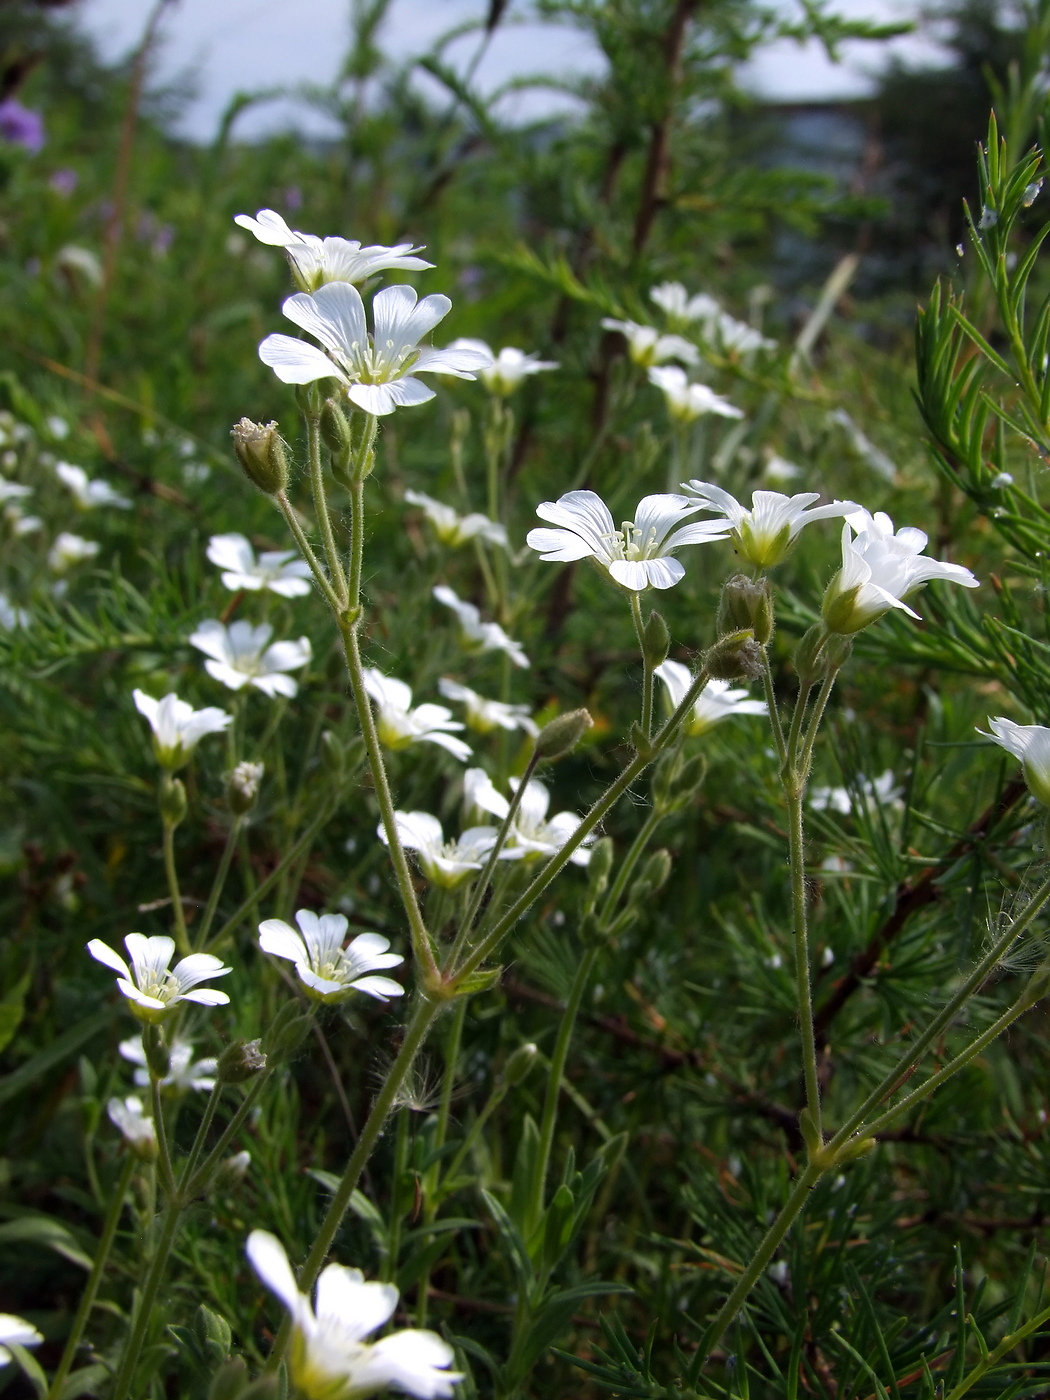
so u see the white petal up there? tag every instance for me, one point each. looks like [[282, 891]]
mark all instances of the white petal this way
[[281, 941], [231, 552], [297, 361], [150, 955], [268, 227], [560, 546], [276, 684], [382, 988], [456, 747], [343, 1296], [461, 363], [206, 996], [267, 1257], [108, 957], [381, 399]]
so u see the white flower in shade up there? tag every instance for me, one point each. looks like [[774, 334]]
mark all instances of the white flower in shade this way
[[646, 346], [687, 402], [483, 715], [400, 725], [879, 570], [884, 791], [177, 727], [152, 986], [378, 371], [737, 337], [13, 491], [506, 371], [184, 1072], [89, 493], [475, 634], [15, 1331], [778, 471], [638, 556], [444, 863], [717, 701], [329, 1358], [137, 1129], [280, 571], [22, 524], [69, 550], [673, 299], [11, 616], [1031, 744], [876, 459], [532, 836], [764, 534], [315, 261], [328, 971], [239, 655], [453, 528]]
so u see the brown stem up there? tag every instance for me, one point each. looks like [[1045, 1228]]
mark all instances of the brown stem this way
[[658, 162]]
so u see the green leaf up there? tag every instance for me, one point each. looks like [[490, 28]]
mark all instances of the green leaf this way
[[89, 1380], [50, 1234], [31, 1368], [12, 1008], [67, 1044], [519, 1255], [526, 1165]]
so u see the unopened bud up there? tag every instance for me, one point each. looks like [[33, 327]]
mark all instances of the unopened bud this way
[[656, 640], [735, 657], [335, 432], [676, 779], [286, 1031], [562, 734], [519, 1064], [213, 1335], [261, 453], [598, 869], [233, 1169], [240, 1061], [809, 654], [172, 800], [230, 1380], [158, 1061], [746, 603], [655, 873], [242, 787]]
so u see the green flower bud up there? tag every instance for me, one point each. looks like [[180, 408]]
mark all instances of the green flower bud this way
[[309, 398], [240, 1061], [172, 800], [655, 873], [598, 868], [261, 453], [286, 1032], [520, 1063], [656, 640], [561, 735], [213, 1335], [809, 654], [242, 787], [335, 432], [746, 603], [157, 1059], [735, 657], [676, 779]]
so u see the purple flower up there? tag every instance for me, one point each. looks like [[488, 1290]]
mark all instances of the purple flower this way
[[64, 182], [20, 126]]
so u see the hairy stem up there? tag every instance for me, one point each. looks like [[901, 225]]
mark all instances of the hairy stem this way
[[647, 666], [147, 1297], [182, 938]]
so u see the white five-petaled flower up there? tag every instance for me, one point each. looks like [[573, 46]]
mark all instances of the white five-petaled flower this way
[[532, 836], [400, 725], [879, 570], [717, 701], [673, 299], [177, 727], [638, 556], [735, 336], [444, 863], [239, 655], [687, 402], [453, 528], [15, 1331], [377, 371], [483, 715], [136, 1127], [884, 791], [152, 986], [1031, 744], [315, 261], [329, 1358], [184, 1072], [778, 471], [475, 634], [68, 550], [646, 346], [328, 971], [278, 570], [506, 371], [89, 493], [764, 534]]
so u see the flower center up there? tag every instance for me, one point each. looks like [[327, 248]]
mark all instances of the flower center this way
[[369, 363], [161, 989]]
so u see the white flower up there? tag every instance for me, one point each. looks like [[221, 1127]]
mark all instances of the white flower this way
[[378, 372], [10, 616], [279, 570], [137, 1129], [15, 1331], [737, 336], [646, 346], [636, 557], [177, 727], [444, 863], [883, 792], [152, 989], [483, 715], [86, 492], [778, 471], [879, 570], [184, 1072], [672, 298], [506, 371], [764, 534], [239, 656], [531, 836], [687, 402], [56, 427], [453, 528], [329, 1358], [69, 549], [22, 524], [478, 635], [717, 701], [863, 445], [315, 261], [400, 725], [13, 491], [328, 971], [1031, 744], [1002, 480]]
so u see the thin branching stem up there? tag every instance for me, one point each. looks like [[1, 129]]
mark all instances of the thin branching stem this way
[[219, 883], [182, 937], [647, 666]]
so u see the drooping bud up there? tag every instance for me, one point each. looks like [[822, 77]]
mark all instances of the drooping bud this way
[[240, 1061], [561, 734], [242, 787], [656, 640], [261, 453], [746, 603], [172, 800], [520, 1064], [737, 656]]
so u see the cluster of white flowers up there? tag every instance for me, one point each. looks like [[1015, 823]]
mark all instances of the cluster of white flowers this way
[[399, 725], [713, 324], [532, 835]]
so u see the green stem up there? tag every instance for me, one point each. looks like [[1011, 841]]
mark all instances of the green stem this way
[[219, 883], [771, 706], [357, 518], [806, 762], [423, 1017], [791, 754], [182, 938], [140, 1325], [193, 1186], [306, 549], [647, 666], [167, 1173], [190, 1165], [804, 991], [324, 519], [996, 1355], [98, 1268], [628, 863]]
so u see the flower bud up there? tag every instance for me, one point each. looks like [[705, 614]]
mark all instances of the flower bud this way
[[809, 654], [746, 603], [676, 779], [655, 873], [240, 1061], [172, 800], [520, 1064], [561, 735], [735, 657], [242, 787], [656, 640], [261, 453], [335, 433], [309, 398], [286, 1032], [213, 1335], [598, 868], [158, 1061]]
